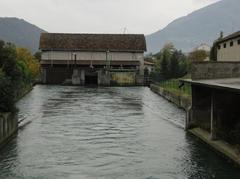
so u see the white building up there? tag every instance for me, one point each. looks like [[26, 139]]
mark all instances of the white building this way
[[228, 48], [204, 47]]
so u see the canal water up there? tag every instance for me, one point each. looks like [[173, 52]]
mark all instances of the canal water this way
[[87, 133]]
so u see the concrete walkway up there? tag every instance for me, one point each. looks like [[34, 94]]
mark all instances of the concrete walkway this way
[[224, 148]]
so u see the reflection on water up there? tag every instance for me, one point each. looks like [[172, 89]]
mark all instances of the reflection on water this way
[[81, 132]]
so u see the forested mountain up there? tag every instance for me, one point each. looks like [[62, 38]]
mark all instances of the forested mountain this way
[[20, 32], [201, 26]]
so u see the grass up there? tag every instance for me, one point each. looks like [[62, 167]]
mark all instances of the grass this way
[[174, 86]]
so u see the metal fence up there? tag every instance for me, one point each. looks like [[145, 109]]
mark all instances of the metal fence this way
[[175, 85]]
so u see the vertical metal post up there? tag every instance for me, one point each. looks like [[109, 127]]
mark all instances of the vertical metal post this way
[[213, 116]]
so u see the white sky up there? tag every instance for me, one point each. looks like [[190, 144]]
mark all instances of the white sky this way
[[100, 16]]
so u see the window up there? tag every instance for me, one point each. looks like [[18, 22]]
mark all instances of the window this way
[[225, 45], [231, 44], [219, 47], [238, 41]]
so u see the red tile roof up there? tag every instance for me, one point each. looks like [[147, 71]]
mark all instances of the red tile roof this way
[[92, 42]]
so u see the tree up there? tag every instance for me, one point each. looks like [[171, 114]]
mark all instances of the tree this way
[[164, 65], [37, 55], [174, 64], [213, 52], [10, 77], [8, 61], [25, 58], [7, 93], [166, 54], [198, 55], [170, 63]]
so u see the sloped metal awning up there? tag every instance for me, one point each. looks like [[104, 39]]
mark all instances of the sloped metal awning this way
[[229, 84]]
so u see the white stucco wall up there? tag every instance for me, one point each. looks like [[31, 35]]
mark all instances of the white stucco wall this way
[[204, 47], [113, 56], [118, 56], [229, 53]]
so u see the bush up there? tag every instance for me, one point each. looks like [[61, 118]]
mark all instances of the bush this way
[[170, 63], [7, 94], [18, 68]]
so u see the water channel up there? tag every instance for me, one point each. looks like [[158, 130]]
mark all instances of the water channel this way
[[80, 132]]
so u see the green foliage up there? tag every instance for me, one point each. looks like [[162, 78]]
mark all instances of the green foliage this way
[[26, 75], [170, 63], [6, 93], [213, 52], [37, 55], [173, 86], [8, 61], [30, 62], [164, 63], [17, 69], [198, 55]]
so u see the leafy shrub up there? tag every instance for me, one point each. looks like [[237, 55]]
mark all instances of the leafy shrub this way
[[7, 94], [18, 68]]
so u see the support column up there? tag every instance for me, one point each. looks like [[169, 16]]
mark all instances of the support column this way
[[76, 77], [141, 67], [213, 116], [99, 77], [192, 111], [188, 119], [82, 77], [44, 75]]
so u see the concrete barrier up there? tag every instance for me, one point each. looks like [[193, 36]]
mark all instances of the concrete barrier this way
[[8, 127], [215, 70], [181, 101]]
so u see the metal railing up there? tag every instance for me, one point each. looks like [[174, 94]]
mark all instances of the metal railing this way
[[176, 85]]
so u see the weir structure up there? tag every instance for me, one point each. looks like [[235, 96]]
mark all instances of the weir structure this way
[[214, 115], [99, 59]]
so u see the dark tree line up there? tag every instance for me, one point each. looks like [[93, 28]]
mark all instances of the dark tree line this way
[[17, 70], [170, 63]]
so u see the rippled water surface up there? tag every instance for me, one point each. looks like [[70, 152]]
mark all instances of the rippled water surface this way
[[77, 132]]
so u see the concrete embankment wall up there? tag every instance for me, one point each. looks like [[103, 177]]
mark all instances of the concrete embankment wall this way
[[215, 70], [9, 121], [8, 126], [181, 101]]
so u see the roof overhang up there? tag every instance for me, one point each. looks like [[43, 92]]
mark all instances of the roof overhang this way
[[91, 50], [229, 84]]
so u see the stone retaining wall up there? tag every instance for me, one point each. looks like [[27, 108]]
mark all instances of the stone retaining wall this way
[[215, 70]]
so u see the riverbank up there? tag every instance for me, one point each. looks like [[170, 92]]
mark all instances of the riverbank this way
[[8, 127], [179, 99], [9, 120], [24, 91]]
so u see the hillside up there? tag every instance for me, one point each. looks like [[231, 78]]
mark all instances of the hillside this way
[[20, 32], [201, 26]]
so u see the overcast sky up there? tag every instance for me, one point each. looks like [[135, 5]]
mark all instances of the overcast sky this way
[[100, 16]]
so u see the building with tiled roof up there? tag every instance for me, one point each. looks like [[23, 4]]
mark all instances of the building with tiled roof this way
[[228, 48], [87, 56]]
